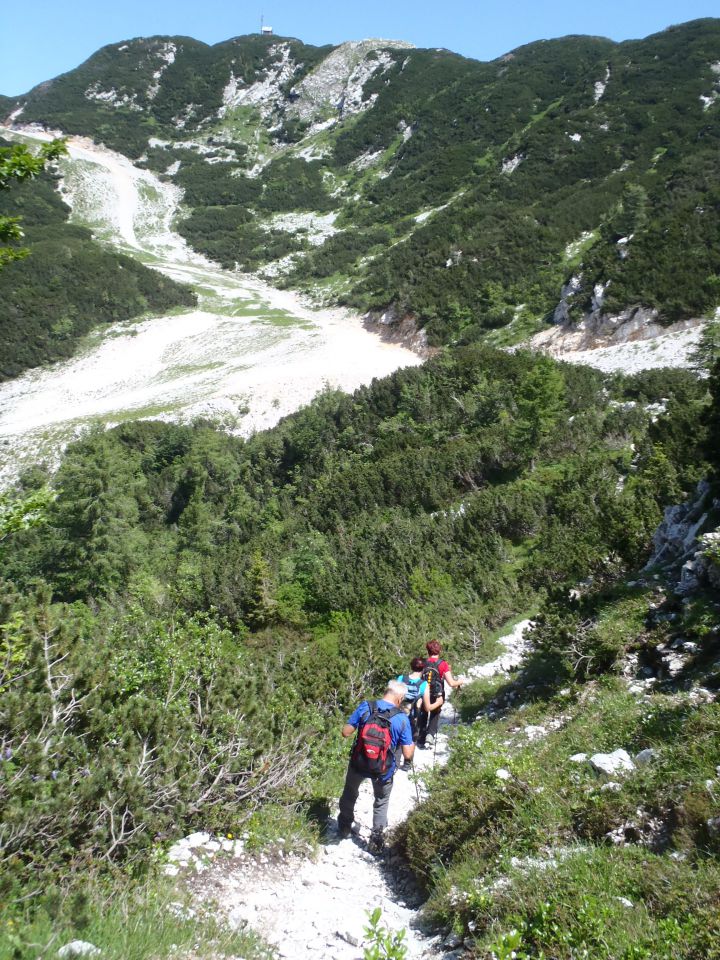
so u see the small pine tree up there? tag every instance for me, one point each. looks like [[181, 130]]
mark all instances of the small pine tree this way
[[260, 604], [539, 405]]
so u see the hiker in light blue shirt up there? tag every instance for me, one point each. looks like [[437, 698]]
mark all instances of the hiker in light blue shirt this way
[[418, 692]]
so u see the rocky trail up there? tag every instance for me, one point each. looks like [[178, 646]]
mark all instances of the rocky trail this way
[[316, 904], [247, 356]]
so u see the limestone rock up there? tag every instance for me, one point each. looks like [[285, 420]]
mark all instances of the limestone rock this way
[[645, 757], [78, 948], [196, 840], [611, 764]]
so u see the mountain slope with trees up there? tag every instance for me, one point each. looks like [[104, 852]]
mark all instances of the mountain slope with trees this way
[[186, 616], [184, 611], [467, 195]]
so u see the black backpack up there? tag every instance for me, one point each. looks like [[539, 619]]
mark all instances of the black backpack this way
[[413, 687], [431, 673], [372, 751]]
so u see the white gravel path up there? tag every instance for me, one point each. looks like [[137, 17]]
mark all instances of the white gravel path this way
[[317, 908]]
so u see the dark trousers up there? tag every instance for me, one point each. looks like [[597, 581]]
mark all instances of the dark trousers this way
[[381, 789], [428, 724]]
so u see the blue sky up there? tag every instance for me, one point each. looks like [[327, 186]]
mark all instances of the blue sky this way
[[47, 37]]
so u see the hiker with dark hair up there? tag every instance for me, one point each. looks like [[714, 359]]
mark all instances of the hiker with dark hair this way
[[437, 673], [379, 727], [418, 692]]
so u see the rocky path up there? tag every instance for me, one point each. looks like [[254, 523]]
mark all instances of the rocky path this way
[[316, 907]]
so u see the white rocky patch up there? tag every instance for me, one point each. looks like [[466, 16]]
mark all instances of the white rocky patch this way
[[337, 83], [278, 268], [516, 646], [511, 164], [318, 906], [318, 227], [623, 246], [575, 137], [426, 214], [313, 151], [575, 246], [166, 54], [708, 100], [629, 341], [112, 97], [15, 114], [263, 94], [598, 296], [673, 349], [78, 948], [173, 168], [406, 130], [601, 86], [366, 160], [612, 764], [181, 120]]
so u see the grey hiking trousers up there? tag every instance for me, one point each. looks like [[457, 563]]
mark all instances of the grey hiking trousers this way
[[382, 791]]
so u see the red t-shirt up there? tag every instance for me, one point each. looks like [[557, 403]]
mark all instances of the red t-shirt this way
[[442, 665]]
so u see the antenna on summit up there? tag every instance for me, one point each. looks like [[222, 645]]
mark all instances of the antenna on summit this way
[[264, 31]]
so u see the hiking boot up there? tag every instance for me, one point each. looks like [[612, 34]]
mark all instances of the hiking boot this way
[[376, 843], [343, 829], [430, 741]]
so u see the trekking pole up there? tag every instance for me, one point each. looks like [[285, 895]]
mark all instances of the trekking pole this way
[[417, 788]]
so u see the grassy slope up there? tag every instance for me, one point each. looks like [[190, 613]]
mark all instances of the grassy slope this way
[[527, 863]]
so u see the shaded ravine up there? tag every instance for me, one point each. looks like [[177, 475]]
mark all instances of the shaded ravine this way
[[317, 907], [247, 356]]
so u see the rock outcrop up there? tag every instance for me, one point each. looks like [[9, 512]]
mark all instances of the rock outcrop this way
[[686, 545]]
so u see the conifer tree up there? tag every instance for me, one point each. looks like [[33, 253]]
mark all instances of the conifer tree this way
[[539, 405], [95, 518], [260, 604]]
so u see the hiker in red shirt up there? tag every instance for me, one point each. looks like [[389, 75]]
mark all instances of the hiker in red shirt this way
[[437, 672]]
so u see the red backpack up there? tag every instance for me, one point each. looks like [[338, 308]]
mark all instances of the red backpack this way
[[372, 750]]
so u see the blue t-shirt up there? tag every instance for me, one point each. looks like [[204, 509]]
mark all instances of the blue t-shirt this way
[[400, 732]]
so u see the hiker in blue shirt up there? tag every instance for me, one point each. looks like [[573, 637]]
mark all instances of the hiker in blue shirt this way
[[381, 726]]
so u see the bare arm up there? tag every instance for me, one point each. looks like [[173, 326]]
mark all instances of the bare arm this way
[[408, 751], [451, 681], [429, 704], [348, 730]]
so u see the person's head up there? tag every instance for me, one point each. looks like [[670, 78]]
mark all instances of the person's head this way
[[433, 648], [396, 692], [416, 664]]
